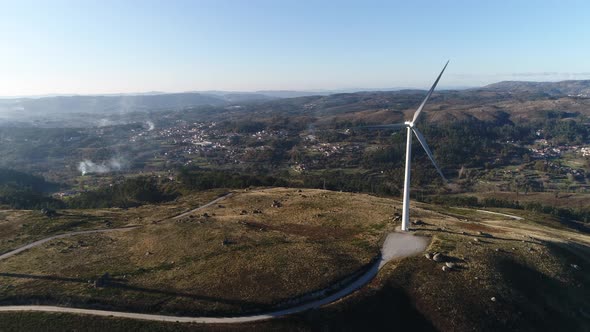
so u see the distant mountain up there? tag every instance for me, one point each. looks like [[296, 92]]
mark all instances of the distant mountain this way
[[122, 103], [292, 94], [563, 88]]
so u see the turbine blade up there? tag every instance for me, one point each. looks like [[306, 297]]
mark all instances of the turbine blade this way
[[422, 141], [386, 126], [429, 94]]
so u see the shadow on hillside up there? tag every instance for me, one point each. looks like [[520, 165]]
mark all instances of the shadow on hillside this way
[[119, 284], [538, 296], [388, 309], [481, 238]]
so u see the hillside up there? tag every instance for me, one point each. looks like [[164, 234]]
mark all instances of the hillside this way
[[227, 259], [579, 88], [123, 103]]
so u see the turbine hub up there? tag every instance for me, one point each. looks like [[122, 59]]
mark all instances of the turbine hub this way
[[409, 124]]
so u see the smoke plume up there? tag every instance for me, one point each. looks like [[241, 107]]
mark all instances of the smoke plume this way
[[88, 166]]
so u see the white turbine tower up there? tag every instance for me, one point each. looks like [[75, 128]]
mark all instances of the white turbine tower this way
[[411, 127]]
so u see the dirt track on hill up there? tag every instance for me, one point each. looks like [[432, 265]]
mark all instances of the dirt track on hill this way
[[395, 246], [59, 236]]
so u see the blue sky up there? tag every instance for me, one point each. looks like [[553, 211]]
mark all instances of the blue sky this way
[[135, 46]]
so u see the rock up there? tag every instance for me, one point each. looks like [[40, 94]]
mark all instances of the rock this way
[[446, 268], [220, 206], [438, 257], [206, 215], [256, 211], [450, 265], [243, 212], [276, 204], [102, 280], [576, 266], [147, 253], [464, 233], [418, 222], [493, 299], [428, 255], [497, 249], [475, 239], [48, 212]]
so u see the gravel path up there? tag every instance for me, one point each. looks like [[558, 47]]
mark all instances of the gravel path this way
[[59, 236], [395, 246], [502, 214], [203, 206]]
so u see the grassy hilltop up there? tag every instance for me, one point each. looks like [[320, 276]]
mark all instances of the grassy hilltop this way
[[244, 255]]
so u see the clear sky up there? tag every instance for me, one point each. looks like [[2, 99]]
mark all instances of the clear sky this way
[[135, 46]]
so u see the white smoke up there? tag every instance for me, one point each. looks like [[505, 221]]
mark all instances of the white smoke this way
[[88, 166], [104, 123], [150, 125]]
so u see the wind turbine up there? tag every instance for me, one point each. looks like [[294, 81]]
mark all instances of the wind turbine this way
[[411, 127]]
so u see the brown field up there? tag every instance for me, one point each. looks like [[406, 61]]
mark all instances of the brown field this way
[[182, 266], [315, 238]]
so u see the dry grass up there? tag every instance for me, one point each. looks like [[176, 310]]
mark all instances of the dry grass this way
[[19, 227], [313, 240], [181, 266], [565, 200]]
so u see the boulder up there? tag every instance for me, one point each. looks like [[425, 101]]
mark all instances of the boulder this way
[[438, 257], [428, 255], [48, 212], [102, 280]]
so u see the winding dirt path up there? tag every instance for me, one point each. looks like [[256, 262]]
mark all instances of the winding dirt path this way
[[395, 246], [59, 236], [218, 199], [502, 214]]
